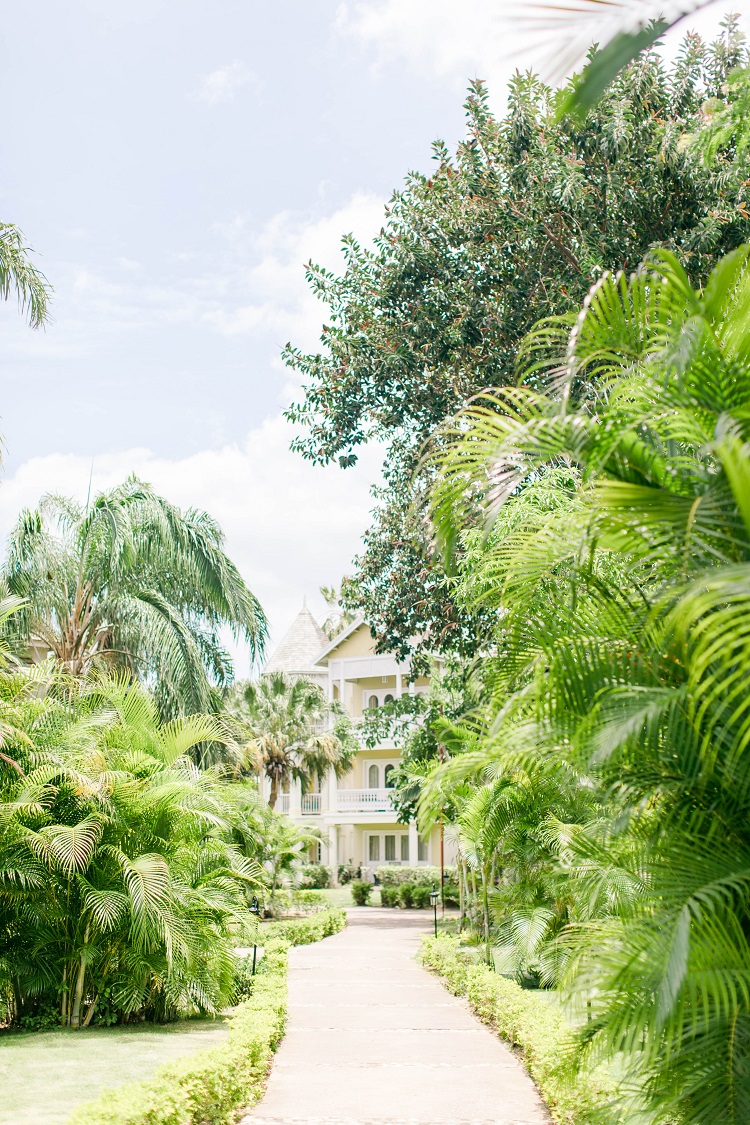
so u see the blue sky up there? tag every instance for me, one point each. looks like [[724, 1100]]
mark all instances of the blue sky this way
[[174, 163]]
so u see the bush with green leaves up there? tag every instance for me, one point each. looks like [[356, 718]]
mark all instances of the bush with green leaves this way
[[624, 586], [209, 1088], [314, 876], [389, 896], [361, 892], [406, 894], [532, 1023], [121, 891], [347, 872]]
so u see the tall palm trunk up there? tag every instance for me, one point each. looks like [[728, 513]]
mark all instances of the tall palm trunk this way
[[274, 792], [75, 1015]]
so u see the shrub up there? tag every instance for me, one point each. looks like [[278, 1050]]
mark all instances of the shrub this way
[[315, 876], [389, 896], [420, 895], [392, 876], [576, 1096], [406, 894], [303, 931], [209, 1088], [347, 873], [361, 892]]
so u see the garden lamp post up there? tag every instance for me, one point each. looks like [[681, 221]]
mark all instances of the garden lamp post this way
[[255, 909], [434, 896]]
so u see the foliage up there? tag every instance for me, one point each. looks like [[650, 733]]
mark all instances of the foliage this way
[[314, 876], [624, 662], [119, 890], [283, 722], [361, 892], [131, 581], [514, 227], [274, 842], [303, 931], [338, 617], [18, 274], [347, 872], [389, 896], [211, 1087], [575, 1097]]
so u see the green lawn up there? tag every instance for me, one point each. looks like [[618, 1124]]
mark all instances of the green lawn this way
[[45, 1075], [338, 896]]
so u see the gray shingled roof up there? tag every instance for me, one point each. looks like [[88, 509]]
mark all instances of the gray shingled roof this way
[[300, 647]]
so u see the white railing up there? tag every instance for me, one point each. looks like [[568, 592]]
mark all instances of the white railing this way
[[364, 800], [282, 803], [311, 804]]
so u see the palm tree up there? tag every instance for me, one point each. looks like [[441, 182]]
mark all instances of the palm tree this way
[[282, 721], [621, 28], [131, 580], [19, 275], [636, 670], [120, 888]]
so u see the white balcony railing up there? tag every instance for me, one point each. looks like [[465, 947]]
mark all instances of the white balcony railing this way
[[364, 800], [282, 803], [311, 804]]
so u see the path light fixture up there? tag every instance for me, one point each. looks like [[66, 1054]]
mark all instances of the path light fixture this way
[[434, 897], [255, 909]]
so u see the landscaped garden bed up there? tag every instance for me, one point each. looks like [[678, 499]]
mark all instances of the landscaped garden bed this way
[[535, 1027]]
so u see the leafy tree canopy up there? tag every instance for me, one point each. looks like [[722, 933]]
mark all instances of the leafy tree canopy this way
[[512, 228], [131, 580]]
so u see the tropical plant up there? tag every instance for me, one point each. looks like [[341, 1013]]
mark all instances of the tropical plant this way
[[283, 722], [626, 629], [272, 841], [515, 226], [120, 892], [20, 276], [129, 580]]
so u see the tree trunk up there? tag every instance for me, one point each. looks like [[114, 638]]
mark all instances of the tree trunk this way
[[75, 1015], [486, 904], [274, 792]]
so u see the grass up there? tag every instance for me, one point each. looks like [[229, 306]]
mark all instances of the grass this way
[[338, 896], [45, 1075]]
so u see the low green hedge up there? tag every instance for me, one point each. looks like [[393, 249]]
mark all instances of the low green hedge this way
[[302, 931], [211, 1087], [528, 1021]]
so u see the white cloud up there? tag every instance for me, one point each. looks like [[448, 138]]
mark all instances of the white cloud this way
[[222, 84], [276, 297], [289, 527]]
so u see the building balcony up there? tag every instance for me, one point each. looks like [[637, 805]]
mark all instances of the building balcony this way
[[311, 804], [364, 800], [282, 803]]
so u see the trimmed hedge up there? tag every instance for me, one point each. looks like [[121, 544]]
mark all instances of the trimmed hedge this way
[[211, 1087], [422, 877], [574, 1096], [302, 931]]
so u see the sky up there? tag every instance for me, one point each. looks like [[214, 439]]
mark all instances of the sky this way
[[174, 164]]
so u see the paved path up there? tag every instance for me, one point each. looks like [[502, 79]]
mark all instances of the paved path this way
[[374, 1038]]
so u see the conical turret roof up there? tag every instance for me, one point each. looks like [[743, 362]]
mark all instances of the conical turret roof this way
[[298, 651]]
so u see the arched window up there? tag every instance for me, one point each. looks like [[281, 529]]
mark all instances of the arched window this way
[[372, 702], [388, 698], [373, 777], [389, 776]]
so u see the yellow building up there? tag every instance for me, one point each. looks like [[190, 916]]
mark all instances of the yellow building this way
[[355, 812]]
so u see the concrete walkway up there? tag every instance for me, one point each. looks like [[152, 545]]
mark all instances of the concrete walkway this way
[[373, 1038]]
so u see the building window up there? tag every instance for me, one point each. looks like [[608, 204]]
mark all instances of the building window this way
[[404, 849], [422, 850], [388, 698], [389, 776], [374, 849], [372, 702], [390, 849], [373, 777]]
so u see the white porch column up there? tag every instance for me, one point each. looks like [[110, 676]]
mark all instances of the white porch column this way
[[333, 851], [331, 790], [399, 683], [295, 799], [413, 844]]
